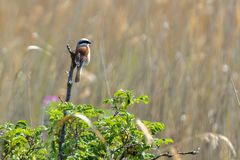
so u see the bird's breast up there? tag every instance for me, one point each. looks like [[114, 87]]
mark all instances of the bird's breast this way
[[84, 54], [83, 50]]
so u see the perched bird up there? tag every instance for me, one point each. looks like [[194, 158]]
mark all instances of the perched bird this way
[[82, 56]]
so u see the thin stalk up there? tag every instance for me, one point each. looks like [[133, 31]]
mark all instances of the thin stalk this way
[[68, 97]]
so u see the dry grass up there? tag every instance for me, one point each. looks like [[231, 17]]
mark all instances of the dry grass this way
[[183, 54], [215, 143], [145, 131]]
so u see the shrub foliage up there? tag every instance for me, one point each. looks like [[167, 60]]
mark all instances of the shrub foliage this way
[[90, 133]]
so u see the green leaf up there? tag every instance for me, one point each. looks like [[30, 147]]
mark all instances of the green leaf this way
[[159, 142], [143, 99], [21, 124], [154, 127]]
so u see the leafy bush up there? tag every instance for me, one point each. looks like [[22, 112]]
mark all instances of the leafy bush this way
[[91, 133], [21, 142]]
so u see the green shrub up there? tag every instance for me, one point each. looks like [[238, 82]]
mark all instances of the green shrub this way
[[21, 142], [90, 133]]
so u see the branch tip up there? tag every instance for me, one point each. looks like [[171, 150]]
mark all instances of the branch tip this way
[[69, 49]]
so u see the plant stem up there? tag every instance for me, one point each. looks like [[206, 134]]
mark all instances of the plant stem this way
[[69, 83], [68, 97]]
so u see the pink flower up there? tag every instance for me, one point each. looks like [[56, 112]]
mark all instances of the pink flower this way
[[49, 98]]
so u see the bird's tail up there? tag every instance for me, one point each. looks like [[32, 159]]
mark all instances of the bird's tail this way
[[78, 73]]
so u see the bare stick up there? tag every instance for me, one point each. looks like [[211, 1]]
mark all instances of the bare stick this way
[[60, 99], [68, 96], [69, 82], [69, 49], [169, 155]]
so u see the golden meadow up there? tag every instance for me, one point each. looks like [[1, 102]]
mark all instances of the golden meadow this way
[[184, 54]]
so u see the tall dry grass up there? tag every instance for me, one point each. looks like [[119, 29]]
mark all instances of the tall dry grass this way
[[183, 54]]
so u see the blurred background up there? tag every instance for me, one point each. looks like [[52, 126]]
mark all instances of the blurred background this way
[[185, 55]]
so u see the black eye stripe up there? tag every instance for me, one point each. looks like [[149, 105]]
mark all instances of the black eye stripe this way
[[84, 41]]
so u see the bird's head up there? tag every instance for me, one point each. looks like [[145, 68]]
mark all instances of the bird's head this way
[[83, 42]]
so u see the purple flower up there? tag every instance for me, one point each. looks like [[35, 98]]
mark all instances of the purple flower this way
[[49, 98]]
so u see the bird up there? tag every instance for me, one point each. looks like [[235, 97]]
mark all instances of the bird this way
[[82, 56]]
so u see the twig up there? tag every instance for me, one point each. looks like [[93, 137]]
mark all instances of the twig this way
[[169, 155], [126, 150], [68, 96], [60, 99], [194, 152], [69, 49], [122, 155], [166, 154]]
